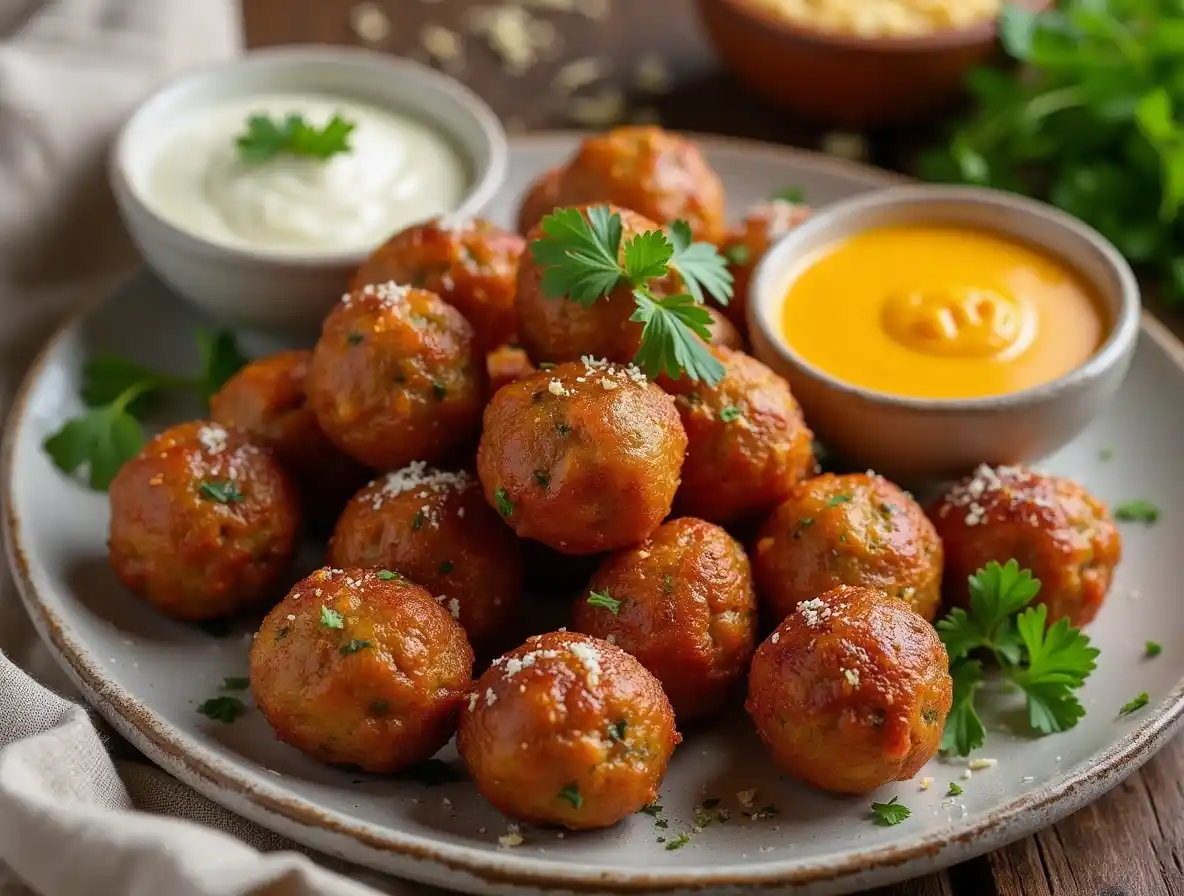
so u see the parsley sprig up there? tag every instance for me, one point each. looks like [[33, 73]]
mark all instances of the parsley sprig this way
[[115, 390], [582, 259], [292, 135], [1048, 663]]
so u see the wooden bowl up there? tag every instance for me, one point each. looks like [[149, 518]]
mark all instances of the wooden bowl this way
[[844, 80]]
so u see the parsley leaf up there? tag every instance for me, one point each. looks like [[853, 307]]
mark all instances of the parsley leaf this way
[[647, 256], [222, 492], [1137, 511], [668, 343], [1135, 705], [221, 359], [954, 790], [504, 505], [616, 731], [890, 813], [223, 709], [730, 413], [353, 646], [678, 841], [265, 138], [790, 194], [571, 793], [964, 731], [702, 269], [330, 618], [386, 575], [580, 257], [737, 254], [597, 599], [102, 438], [1152, 649], [235, 684]]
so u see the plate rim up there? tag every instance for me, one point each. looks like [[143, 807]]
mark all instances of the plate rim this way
[[217, 778]]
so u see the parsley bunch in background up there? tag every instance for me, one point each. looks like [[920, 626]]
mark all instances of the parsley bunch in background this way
[[1048, 663], [1093, 122], [582, 259]]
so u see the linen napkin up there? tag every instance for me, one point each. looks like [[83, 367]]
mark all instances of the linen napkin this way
[[74, 821]]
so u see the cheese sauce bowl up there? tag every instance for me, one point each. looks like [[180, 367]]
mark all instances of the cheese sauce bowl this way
[[910, 435], [424, 144]]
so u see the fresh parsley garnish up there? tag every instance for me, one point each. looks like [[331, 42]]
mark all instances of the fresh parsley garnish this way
[[223, 709], [582, 259], [1152, 649], [222, 492], [652, 809], [571, 793], [1135, 705], [504, 505], [604, 599], [353, 646], [1047, 662], [417, 520], [836, 500], [954, 790], [115, 390], [330, 618], [265, 138], [890, 813], [737, 254], [616, 731], [730, 413], [235, 684], [1136, 511], [387, 576], [790, 194], [678, 841]]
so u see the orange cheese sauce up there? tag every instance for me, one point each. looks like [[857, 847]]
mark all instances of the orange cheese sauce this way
[[942, 312]]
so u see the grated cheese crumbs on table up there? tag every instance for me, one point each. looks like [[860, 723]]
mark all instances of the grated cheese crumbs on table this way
[[443, 45], [980, 764], [967, 775], [746, 798], [213, 438], [556, 388], [579, 73], [417, 475], [603, 109], [390, 294], [519, 39], [511, 838], [926, 783], [652, 74], [370, 22], [1027, 779], [852, 676], [589, 657]]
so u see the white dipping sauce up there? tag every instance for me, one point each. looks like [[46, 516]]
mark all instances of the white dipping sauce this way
[[398, 171]]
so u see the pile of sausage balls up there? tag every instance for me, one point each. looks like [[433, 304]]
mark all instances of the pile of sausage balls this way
[[453, 427]]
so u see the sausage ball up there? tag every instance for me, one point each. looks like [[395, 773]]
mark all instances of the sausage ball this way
[[395, 378], [723, 332], [854, 529], [659, 174], [471, 264], [436, 529], [506, 364], [851, 691], [1048, 524], [747, 443], [567, 730], [361, 667], [542, 197], [560, 329], [584, 457], [267, 400], [682, 603], [203, 522], [746, 244]]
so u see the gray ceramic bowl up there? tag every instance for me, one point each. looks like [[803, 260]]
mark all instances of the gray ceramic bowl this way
[[914, 440], [277, 291]]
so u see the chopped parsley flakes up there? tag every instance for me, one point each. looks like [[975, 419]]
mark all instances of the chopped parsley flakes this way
[[387, 576], [354, 646], [1152, 649], [836, 500], [223, 709], [1136, 511], [222, 492], [1135, 705], [235, 684], [504, 506], [330, 618], [616, 731], [954, 790], [730, 413], [890, 813], [598, 599], [571, 793]]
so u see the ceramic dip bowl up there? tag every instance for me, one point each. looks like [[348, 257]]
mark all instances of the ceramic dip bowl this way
[[914, 440]]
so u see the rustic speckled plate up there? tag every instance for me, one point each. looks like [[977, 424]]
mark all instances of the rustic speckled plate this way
[[147, 674]]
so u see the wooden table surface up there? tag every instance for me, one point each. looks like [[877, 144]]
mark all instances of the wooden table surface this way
[[1128, 843]]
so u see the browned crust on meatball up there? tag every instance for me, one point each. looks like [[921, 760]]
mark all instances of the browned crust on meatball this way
[[687, 611], [1048, 524], [542, 197], [854, 529], [567, 730], [851, 691], [356, 667], [505, 364], [435, 528], [470, 264], [395, 378], [745, 245], [584, 457], [724, 333], [203, 522], [747, 442]]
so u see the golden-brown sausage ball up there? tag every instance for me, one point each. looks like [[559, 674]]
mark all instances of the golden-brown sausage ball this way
[[542, 197], [564, 330], [853, 529], [267, 400], [851, 691], [395, 377], [505, 364], [567, 730], [361, 667], [471, 264], [746, 244], [747, 443], [1048, 524], [723, 332], [203, 522], [682, 603], [435, 528], [584, 457], [657, 173]]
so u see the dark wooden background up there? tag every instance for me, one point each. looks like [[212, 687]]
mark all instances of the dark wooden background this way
[[1130, 842]]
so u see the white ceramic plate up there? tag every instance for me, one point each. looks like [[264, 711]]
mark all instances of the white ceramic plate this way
[[147, 674]]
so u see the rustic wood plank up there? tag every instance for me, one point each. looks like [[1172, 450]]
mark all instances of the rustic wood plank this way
[[1130, 842]]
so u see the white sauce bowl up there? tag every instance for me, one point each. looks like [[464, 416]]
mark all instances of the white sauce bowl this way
[[258, 288]]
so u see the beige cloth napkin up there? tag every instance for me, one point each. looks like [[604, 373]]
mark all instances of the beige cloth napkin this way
[[74, 821]]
